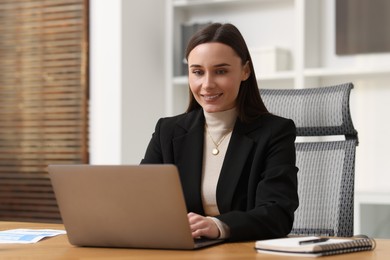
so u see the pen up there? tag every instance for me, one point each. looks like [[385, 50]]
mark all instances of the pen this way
[[313, 241]]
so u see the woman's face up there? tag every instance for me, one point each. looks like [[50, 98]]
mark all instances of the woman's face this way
[[215, 75]]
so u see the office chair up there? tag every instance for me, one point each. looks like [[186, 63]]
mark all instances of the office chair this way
[[326, 164]]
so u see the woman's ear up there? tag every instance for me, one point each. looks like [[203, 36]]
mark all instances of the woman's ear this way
[[246, 72]]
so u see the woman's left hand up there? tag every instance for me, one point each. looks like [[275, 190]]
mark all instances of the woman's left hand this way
[[202, 226]]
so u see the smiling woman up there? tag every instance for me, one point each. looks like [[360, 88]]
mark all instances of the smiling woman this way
[[249, 104], [236, 161], [215, 74]]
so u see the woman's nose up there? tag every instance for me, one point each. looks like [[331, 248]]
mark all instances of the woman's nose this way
[[208, 81]]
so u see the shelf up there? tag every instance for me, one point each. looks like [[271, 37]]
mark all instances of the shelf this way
[[367, 197], [185, 3], [321, 72], [318, 72], [181, 80], [283, 75], [372, 198]]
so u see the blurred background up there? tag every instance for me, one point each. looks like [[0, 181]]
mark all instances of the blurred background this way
[[85, 82]]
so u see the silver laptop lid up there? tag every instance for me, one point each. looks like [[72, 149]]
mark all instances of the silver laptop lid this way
[[137, 206]]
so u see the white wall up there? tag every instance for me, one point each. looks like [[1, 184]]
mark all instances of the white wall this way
[[105, 81], [126, 77], [143, 79]]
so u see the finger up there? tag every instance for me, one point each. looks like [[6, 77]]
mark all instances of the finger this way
[[205, 232], [193, 218], [197, 233], [205, 228], [197, 224]]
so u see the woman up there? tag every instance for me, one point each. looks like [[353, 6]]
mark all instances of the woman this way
[[236, 160]]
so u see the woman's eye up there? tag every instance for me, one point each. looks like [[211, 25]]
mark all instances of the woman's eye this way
[[221, 72], [197, 72]]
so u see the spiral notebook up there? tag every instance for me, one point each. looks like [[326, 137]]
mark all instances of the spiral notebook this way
[[314, 246]]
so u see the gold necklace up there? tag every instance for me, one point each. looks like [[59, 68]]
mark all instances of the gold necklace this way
[[215, 150]]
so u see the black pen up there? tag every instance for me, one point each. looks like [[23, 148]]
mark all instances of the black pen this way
[[313, 241]]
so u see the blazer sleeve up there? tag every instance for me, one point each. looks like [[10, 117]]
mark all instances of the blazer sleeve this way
[[273, 176], [160, 149], [153, 154]]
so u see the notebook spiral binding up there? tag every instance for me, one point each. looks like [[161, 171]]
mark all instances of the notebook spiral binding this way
[[361, 244]]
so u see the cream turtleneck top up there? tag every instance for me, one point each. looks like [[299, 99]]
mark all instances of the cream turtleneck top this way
[[217, 133]]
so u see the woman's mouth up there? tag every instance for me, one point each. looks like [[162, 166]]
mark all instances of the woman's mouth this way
[[211, 97]]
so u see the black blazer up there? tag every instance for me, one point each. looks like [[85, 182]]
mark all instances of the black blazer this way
[[257, 188]]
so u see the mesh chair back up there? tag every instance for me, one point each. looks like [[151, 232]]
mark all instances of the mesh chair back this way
[[320, 111], [326, 168]]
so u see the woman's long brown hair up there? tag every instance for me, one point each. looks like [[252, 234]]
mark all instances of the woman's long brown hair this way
[[249, 103]]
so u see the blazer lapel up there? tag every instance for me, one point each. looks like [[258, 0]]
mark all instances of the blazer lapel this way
[[188, 152], [237, 154]]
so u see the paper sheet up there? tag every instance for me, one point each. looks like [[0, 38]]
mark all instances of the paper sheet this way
[[27, 236]]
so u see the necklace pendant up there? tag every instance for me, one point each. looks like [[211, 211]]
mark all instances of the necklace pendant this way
[[215, 151]]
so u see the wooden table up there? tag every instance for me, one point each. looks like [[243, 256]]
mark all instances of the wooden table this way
[[59, 248]]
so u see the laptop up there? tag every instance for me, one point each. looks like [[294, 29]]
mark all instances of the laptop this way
[[128, 206]]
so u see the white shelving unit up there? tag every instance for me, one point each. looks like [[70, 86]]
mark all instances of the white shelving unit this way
[[369, 220], [304, 27], [252, 17], [307, 29]]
